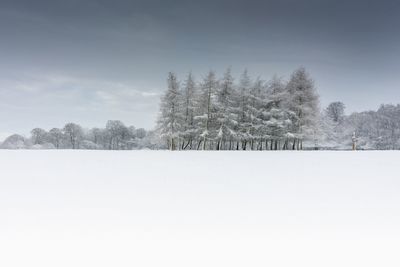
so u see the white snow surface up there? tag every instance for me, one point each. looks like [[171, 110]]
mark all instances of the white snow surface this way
[[206, 209]]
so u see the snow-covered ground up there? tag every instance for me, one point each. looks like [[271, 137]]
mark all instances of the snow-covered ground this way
[[160, 208]]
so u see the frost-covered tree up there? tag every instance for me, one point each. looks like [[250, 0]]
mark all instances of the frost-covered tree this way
[[39, 136], [15, 141], [243, 98], [206, 118], [227, 113], [74, 134], [366, 126], [118, 135], [98, 136], [277, 118], [388, 117], [255, 107], [170, 118], [56, 137], [140, 133], [303, 101], [335, 111], [331, 125], [188, 103]]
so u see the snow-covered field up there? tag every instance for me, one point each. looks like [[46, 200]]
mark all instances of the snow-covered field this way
[[160, 208]]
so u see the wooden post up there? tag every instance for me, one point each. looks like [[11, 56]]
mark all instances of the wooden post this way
[[354, 141]]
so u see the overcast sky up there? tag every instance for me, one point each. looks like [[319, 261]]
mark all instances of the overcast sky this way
[[88, 61]]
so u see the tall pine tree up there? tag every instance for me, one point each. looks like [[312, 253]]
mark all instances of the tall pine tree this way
[[303, 101], [227, 119], [188, 103], [206, 119], [170, 118]]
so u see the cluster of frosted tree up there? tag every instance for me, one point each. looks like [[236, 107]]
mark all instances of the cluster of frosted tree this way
[[221, 114], [374, 129], [115, 136]]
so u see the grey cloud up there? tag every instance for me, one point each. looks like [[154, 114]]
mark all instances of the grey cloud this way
[[92, 60]]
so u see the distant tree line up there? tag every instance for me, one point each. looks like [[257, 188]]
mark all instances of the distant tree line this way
[[115, 136], [378, 129], [221, 114]]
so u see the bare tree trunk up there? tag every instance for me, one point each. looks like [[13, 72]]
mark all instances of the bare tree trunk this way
[[286, 144], [188, 143], [244, 145], [183, 144], [199, 144], [172, 144]]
